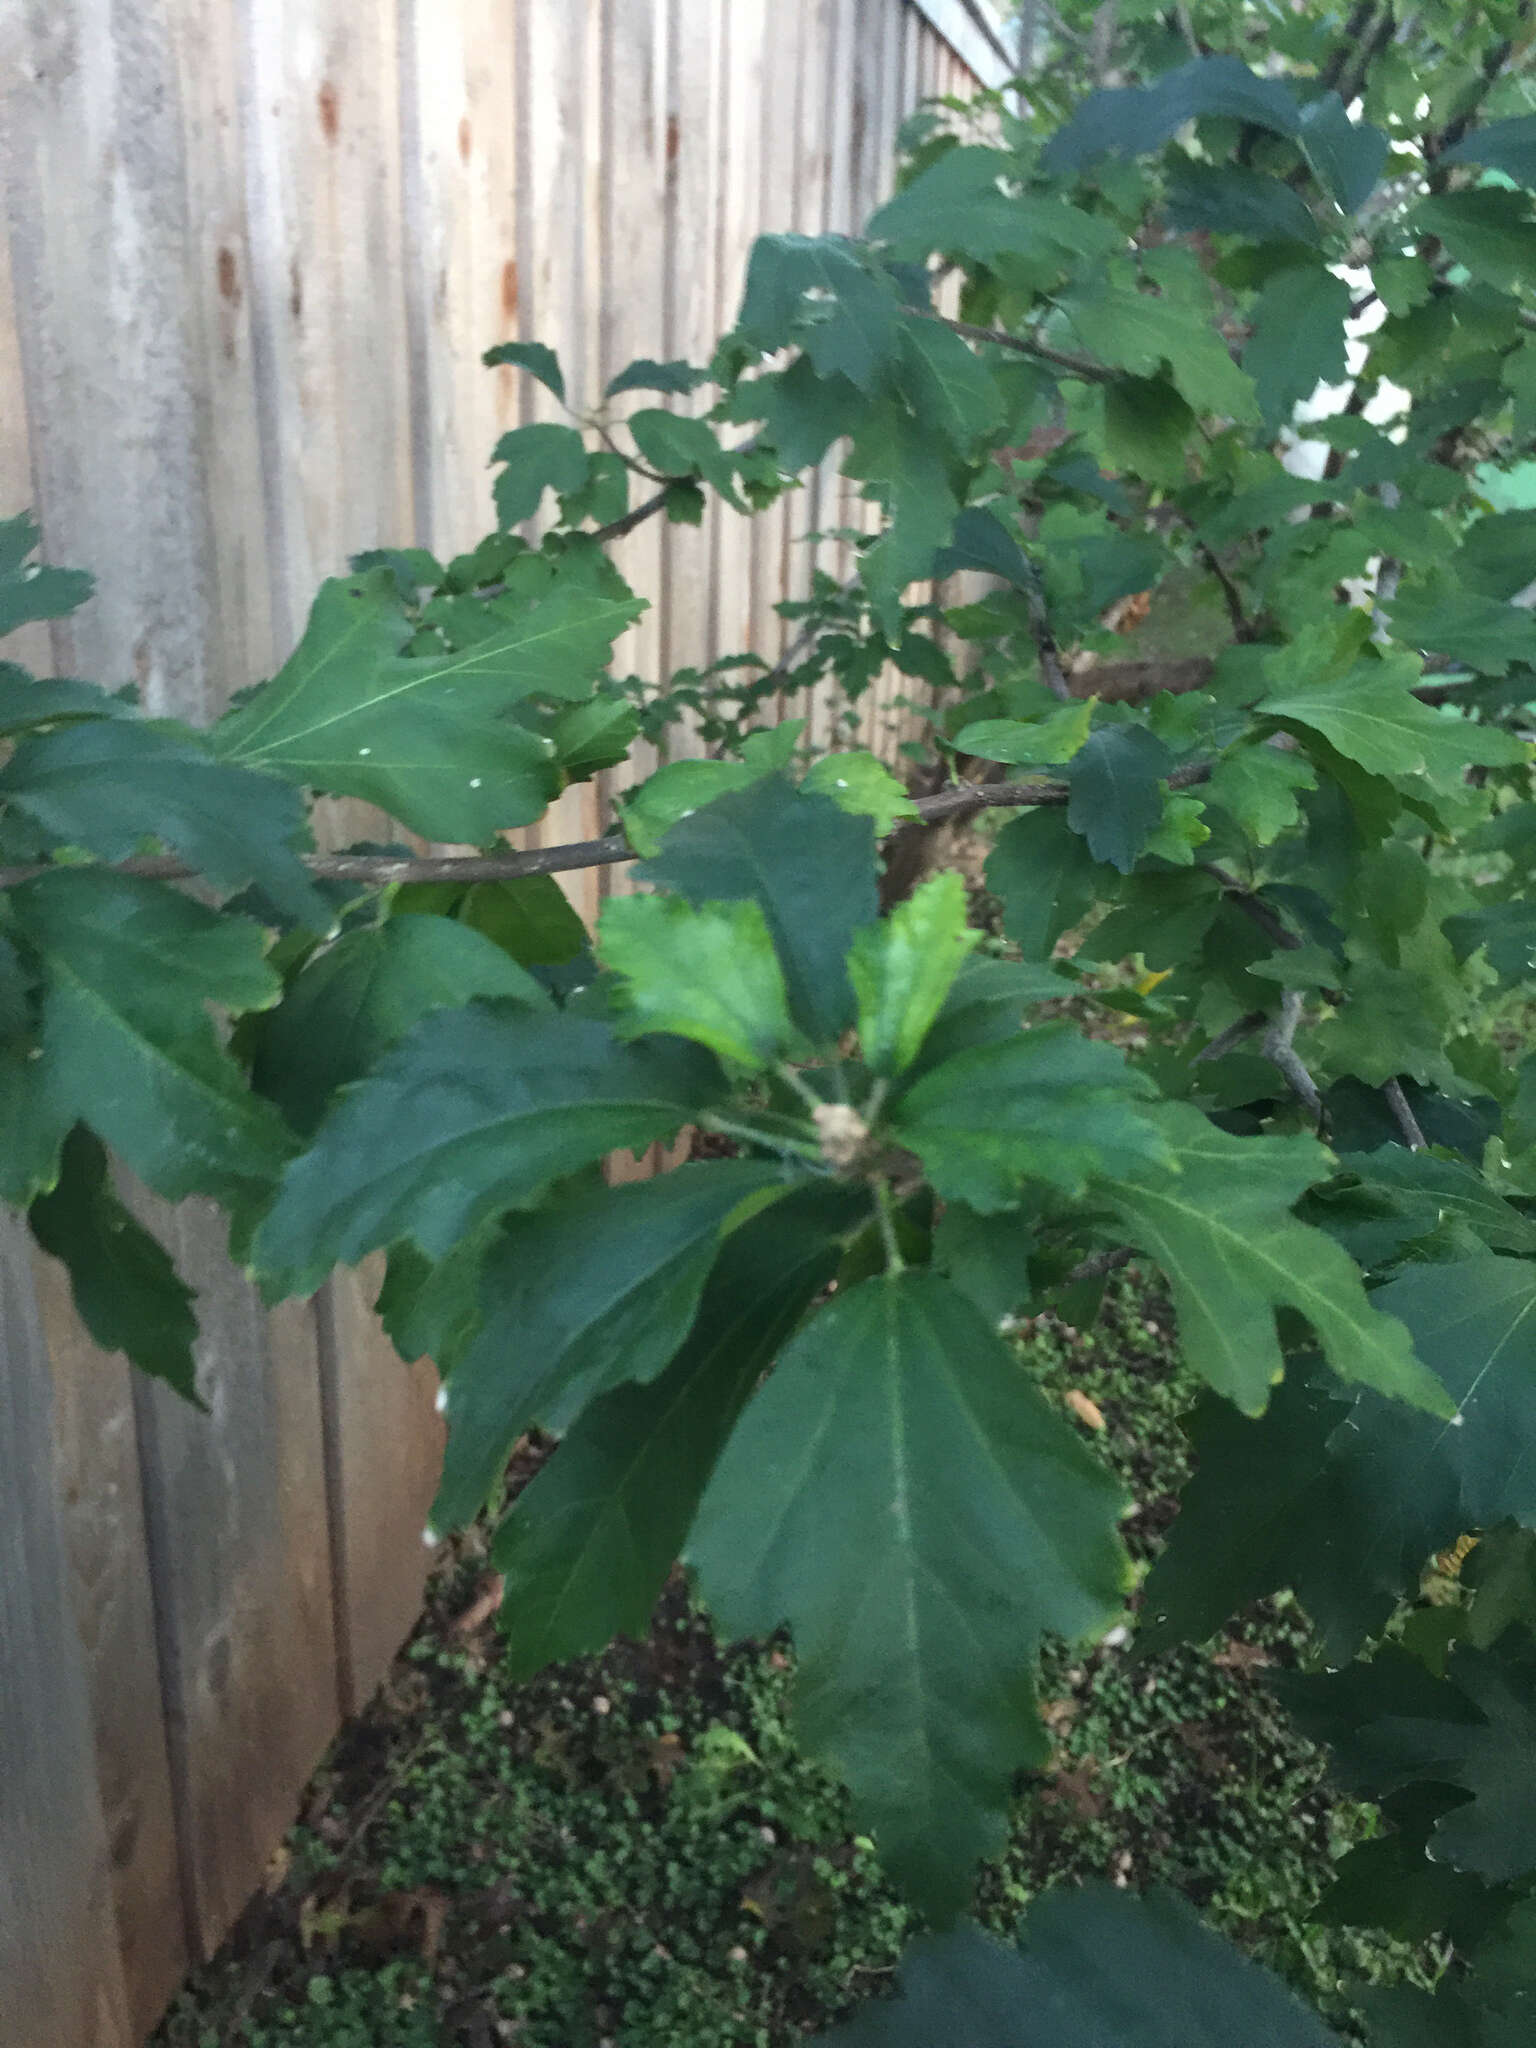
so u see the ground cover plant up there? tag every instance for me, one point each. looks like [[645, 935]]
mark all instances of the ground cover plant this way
[[1312, 841], [630, 1847]]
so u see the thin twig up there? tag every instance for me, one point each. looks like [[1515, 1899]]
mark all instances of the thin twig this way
[[1232, 597], [1097, 1264], [1023, 344], [1254, 907], [1282, 1055], [1407, 1122], [1235, 1033]]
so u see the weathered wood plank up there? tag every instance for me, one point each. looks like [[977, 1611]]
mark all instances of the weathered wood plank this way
[[61, 1982], [101, 1516]]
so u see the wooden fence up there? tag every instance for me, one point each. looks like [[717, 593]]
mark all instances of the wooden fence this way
[[255, 250]]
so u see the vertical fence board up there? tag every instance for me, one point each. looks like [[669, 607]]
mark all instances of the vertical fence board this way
[[61, 1982]]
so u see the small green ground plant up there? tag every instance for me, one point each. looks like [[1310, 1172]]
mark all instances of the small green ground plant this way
[[784, 1366]]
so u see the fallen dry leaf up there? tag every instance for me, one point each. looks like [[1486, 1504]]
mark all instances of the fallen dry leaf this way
[[479, 1611], [1236, 1656], [1085, 1410]]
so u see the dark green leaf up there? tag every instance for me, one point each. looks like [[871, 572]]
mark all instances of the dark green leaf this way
[[587, 1547], [810, 865], [126, 1290], [1132, 120], [981, 541], [28, 700], [676, 377], [1099, 1968], [1046, 877], [1221, 1229], [29, 591], [539, 458], [960, 204], [1297, 340], [128, 1045], [529, 917], [110, 784], [1507, 146], [679, 446], [949, 388], [532, 356], [425, 736], [1047, 1104], [560, 1327], [1490, 231], [473, 1112], [1117, 796], [817, 291], [1147, 428], [1228, 200], [353, 1000], [918, 1515], [1348, 156]]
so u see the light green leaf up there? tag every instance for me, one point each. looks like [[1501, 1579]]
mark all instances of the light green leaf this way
[[352, 1001], [126, 1290], [709, 974], [1257, 786], [809, 864], [529, 917], [538, 458], [129, 1047], [587, 1547], [858, 783], [1046, 1104], [1221, 1229], [560, 1327], [425, 737], [1038, 742], [908, 1503], [534, 357], [471, 1113], [1372, 716], [29, 591], [1181, 829], [1100, 1968], [679, 788], [903, 968], [111, 784]]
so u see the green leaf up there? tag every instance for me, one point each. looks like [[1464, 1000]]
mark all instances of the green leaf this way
[[810, 865], [126, 1290], [587, 1547], [28, 700], [1372, 716], [352, 1001], [981, 541], [707, 973], [1046, 877], [1131, 330], [1507, 146], [1099, 1968], [1132, 120], [29, 591], [1297, 340], [1348, 156], [560, 1327], [539, 458], [1117, 795], [110, 784], [950, 389], [919, 1516], [1442, 618], [986, 1005], [1228, 200], [986, 1257], [677, 445], [1345, 1500], [679, 788], [431, 1308], [959, 204], [908, 471], [471, 1113], [33, 1123], [532, 356], [1046, 1104], [858, 783], [1490, 231], [1389, 1723], [675, 377], [425, 737], [1038, 742], [529, 917], [1147, 426], [129, 1047], [1257, 787], [1222, 1231], [904, 967], [802, 414], [817, 291]]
